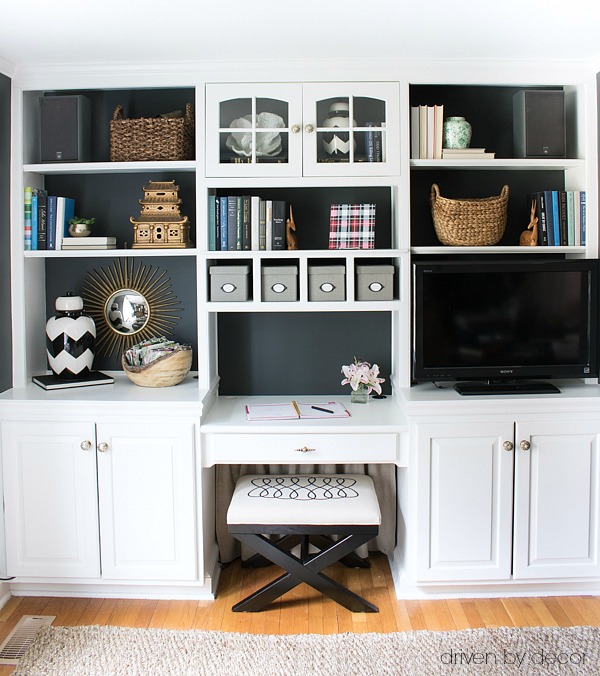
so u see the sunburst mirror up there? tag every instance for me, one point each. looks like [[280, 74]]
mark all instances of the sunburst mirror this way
[[129, 302]]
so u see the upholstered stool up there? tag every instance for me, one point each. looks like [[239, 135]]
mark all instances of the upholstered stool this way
[[344, 505]]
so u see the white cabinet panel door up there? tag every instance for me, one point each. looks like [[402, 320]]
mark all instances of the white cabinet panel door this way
[[51, 500], [147, 502], [465, 501], [556, 500]]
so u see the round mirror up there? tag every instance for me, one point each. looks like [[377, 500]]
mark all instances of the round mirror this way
[[126, 311], [130, 302]]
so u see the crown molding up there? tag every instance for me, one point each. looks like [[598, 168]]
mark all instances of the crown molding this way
[[182, 73], [7, 67]]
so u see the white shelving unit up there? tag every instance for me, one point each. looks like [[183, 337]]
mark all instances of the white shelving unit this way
[[304, 175]]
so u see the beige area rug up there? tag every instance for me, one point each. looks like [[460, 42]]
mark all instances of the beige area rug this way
[[159, 652]]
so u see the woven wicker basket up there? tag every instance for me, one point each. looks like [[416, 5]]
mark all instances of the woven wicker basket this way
[[152, 138], [469, 222]]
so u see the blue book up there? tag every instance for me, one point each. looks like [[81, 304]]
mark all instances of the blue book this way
[[51, 222], [583, 217], [231, 223], [34, 219], [223, 222], [556, 218], [212, 223], [570, 218]]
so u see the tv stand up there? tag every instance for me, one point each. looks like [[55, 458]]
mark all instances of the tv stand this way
[[506, 387]]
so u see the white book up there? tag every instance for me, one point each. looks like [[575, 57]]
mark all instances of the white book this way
[[430, 132], [423, 132], [60, 222], [468, 156], [87, 241], [462, 151], [439, 131], [254, 222]]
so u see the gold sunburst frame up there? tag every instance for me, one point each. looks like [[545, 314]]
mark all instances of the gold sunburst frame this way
[[101, 285]]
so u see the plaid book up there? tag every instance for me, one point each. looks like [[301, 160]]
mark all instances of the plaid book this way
[[352, 226]]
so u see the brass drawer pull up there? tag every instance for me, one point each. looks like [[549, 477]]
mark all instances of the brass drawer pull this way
[[305, 449]]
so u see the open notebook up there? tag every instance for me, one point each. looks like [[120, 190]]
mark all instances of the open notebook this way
[[294, 410]]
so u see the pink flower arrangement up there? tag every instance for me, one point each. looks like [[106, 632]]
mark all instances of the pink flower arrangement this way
[[362, 373]]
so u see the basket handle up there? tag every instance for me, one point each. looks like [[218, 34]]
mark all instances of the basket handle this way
[[504, 192], [118, 114], [435, 193], [188, 111]]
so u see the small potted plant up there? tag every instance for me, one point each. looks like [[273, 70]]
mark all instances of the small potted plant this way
[[363, 379], [80, 227]]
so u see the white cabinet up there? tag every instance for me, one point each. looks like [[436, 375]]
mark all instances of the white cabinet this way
[[557, 481], [324, 129], [464, 494], [497, 500], [51, 499], [115, 501]]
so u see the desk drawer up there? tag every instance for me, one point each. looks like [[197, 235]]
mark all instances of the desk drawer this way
[[298, 448]]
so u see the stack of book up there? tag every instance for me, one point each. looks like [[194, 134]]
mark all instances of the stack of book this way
[[246, 223], [426, 128], [467, 154], [561, 217], [46, 219], [86, 243]]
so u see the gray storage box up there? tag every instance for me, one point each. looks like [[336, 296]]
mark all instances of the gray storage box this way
[[374, 282], [280, 283], [327, 282], [229, 282]]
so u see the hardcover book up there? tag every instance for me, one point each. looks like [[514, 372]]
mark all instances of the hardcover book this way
[[279, 218], [352, 226], [42, 217], [51, 382]]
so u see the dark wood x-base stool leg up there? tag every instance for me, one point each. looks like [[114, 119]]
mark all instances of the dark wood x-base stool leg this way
[[306, 568]]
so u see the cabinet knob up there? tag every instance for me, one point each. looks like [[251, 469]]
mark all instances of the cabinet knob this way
[[295, 128], [102, 447], [525, 445], [508, 446], [305, 449], [309, 128], [85, 445]]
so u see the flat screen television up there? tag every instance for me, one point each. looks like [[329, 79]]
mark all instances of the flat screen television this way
[[505, 326]]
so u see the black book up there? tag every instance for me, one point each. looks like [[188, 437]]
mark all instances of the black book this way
[[246, 224], [42, 218], [279, 218], [51, 382]]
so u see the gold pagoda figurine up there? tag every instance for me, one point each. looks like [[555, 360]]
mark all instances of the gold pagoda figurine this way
[[160, 224]]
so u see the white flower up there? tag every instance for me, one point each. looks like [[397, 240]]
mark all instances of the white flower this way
[[361, 373]]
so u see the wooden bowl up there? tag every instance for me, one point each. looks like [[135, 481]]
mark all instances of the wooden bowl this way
[[164, 372]]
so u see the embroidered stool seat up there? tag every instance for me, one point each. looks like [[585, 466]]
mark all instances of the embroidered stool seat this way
[[344, 505]]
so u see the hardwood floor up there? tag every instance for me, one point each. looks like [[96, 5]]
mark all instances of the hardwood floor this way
[[303, 610]]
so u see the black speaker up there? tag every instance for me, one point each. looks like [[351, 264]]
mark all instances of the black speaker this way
[[65, 129], [539, 123]]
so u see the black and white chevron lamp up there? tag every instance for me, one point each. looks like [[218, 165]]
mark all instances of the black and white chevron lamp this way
[[70, 339]]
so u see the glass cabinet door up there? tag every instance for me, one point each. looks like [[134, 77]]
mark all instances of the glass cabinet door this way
[[253, 130], [351, 129]]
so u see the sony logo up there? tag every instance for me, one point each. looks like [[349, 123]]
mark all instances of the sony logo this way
[[506, 371]]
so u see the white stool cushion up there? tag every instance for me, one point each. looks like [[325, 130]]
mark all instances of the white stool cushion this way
[[292, 499]]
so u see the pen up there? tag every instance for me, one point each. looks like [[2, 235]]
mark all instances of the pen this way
[[324, 410]]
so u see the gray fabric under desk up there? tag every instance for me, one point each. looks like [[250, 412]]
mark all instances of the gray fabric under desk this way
[[384, 479]]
